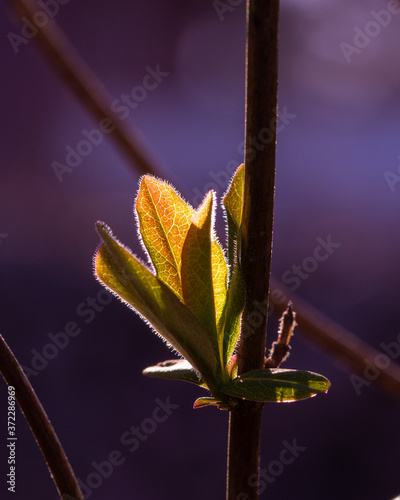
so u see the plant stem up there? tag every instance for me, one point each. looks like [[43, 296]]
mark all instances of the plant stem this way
[[257, 225], [244, 452], [87, 87], [46, 437], [259, 182]]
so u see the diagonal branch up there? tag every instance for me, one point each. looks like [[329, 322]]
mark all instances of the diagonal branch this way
[[46, 437], [81, 80]]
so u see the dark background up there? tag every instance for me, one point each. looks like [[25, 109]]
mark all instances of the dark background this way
[[331, 164]]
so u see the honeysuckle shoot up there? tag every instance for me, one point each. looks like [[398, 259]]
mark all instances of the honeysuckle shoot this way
[[192, 294]]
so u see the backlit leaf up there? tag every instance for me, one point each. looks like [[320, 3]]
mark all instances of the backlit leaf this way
[[204, 271], [174, 369], [126, 276], [164, 220], [227, 404], [203, 402], [232, 314], [220, 278], [276, 385], [233, 201]]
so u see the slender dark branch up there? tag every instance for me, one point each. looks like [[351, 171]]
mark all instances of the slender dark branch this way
[[258, 205], [345, 347], [257, 225], [46, 437], [87, 87], [243, 441]]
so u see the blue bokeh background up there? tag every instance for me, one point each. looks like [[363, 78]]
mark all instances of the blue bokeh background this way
[[334, 155]]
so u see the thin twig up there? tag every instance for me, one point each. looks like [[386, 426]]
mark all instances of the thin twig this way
[[281, 348], [256, 245], [46, 437], [346, 348], [87, 87]]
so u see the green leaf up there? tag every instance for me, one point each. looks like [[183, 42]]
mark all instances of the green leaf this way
[[174, 369], [222, 405], [276, 385], [233, 201], [164, 220], [232, 314], [233, 204], [204, 272], [127, 277]]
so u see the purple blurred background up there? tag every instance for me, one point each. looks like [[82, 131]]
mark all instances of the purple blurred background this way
[[338, 158]]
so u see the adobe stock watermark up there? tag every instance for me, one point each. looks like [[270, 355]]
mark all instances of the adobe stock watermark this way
[[372, 29], [381, 361], [292, 277], [122, 108], [265, 136], [392, 178], [222, 7], [87, 310], [130, 442], [274, 469], [30, 27]]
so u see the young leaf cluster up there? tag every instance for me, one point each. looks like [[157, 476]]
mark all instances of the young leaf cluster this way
[[193, 295]]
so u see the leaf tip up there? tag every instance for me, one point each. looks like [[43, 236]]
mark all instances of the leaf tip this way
[[207, 202], [146, 181], [103, 229], [237, 177]]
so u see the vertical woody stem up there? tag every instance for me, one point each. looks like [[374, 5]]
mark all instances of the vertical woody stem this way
[[257, 226]]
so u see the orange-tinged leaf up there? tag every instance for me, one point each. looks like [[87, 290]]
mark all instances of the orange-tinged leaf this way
[[164, 220], [203, 402], [204, 272]]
